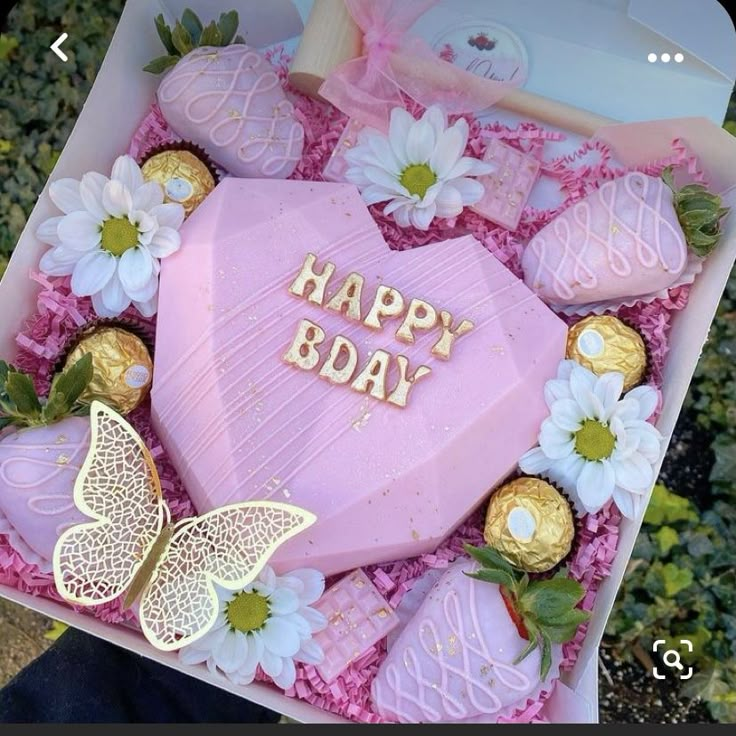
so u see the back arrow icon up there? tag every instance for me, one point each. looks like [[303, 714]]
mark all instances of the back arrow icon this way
[[56, 44]]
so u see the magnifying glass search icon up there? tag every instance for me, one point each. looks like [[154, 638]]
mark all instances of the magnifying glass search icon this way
[[672, 659]]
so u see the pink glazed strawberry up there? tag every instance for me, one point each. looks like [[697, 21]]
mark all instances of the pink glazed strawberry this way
[[42, 449], [224, 96], [484, 640], [629, 238]]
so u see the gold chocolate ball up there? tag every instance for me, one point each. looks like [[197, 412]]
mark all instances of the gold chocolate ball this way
[[185, 178], [530, 524], [122, 366], [605, 344]]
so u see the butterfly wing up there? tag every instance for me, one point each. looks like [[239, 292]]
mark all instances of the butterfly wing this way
[[118, 487], [228, 546]]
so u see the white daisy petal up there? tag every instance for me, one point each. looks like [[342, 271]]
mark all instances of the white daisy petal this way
[[148, 196], [420, 143], [90, 190], [299, 624], [254, 654], [148, 308], [421, 218], [79, 231], [447, 152], [582, 383], [231, 651], [383, 152], [627, 503], [471, 191], [401, 215], [113, 296], [310, 653], [648, 399], [127, 172], [164, 243], [315, 619], [635, 474], [555, 442], [399, 127], [374, 193], [47, 231], [608, 389], [136, 269], [64, 194], [116, 199], [170, 215], [595, 485], [271, 663], [191, 655], [556, 389], [435, 116], [286, 678], [313, 582], [146, 292], [283, 602], [534, 462], [280, 638], [92, 272], [59, 262], [449, 202], [567, 414], [384, 179]]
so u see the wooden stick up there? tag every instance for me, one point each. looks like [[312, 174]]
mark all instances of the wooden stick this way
[[332, 37]]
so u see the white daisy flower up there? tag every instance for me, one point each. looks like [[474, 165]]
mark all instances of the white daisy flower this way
[[594, 444], [111, 236], [419, 169], [268, 624]]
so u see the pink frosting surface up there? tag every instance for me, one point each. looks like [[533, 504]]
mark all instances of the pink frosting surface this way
[[60, 315]]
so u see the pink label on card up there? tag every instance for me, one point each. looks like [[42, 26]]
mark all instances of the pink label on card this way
[[509, 186], [358, 616]]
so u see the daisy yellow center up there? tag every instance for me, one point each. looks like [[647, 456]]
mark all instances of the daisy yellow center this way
[[417, 178], [594, 441], [118, 235], [247, 612]]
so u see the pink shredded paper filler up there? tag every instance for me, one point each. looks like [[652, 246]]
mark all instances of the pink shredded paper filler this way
[[60, 315]]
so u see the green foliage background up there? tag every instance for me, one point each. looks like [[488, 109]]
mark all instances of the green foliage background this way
[[681, 580]]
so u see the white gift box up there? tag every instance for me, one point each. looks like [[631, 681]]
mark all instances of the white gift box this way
[[593, 55]]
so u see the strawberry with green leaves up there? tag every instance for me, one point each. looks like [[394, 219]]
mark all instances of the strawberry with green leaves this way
[[223, 95], [42, 447], [485, 639]]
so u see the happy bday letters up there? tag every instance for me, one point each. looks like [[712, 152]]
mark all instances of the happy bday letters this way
[[341, 362]]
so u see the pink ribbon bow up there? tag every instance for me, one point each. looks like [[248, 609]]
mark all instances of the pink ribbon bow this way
[[367, 88]]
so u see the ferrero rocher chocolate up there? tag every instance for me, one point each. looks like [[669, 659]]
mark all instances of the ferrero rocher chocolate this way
[[530, 523], [185, 178], [606, 344], [122, 367]]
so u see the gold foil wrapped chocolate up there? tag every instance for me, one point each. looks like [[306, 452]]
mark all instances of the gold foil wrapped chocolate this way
[[185, 178], [530, 523], [605, 344], [123, 368]]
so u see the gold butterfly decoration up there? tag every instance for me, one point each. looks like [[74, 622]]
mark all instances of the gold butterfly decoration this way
[[131, 545]]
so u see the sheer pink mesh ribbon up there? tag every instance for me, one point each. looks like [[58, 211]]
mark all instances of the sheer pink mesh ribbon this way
[[395, 63]]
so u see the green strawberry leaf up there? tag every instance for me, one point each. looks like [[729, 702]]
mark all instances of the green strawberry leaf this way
[[182, 39], [160, 64], [500, 577], [563, 632], [211, 35], [193, 24], [5, 422], [228, 25], [67, 387], [4, 370], [22, 393], [530, 647], [546, 656], [549, 600], [669, 179], [164, 33], [490, 558]]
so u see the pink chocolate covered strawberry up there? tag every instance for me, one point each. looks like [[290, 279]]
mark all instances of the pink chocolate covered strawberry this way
[[631, 238], [40, 458], [485, 639], [224, 96]]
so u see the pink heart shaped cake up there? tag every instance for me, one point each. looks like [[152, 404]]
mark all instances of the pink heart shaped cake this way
[[300, 359]]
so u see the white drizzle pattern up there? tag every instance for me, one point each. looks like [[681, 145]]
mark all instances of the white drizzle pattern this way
[[265, 145], [577, 232], [428, 688]]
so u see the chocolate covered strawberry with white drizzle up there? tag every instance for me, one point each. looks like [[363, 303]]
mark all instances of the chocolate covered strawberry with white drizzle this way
[[631, 238], [224, 96], [485, 639]]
